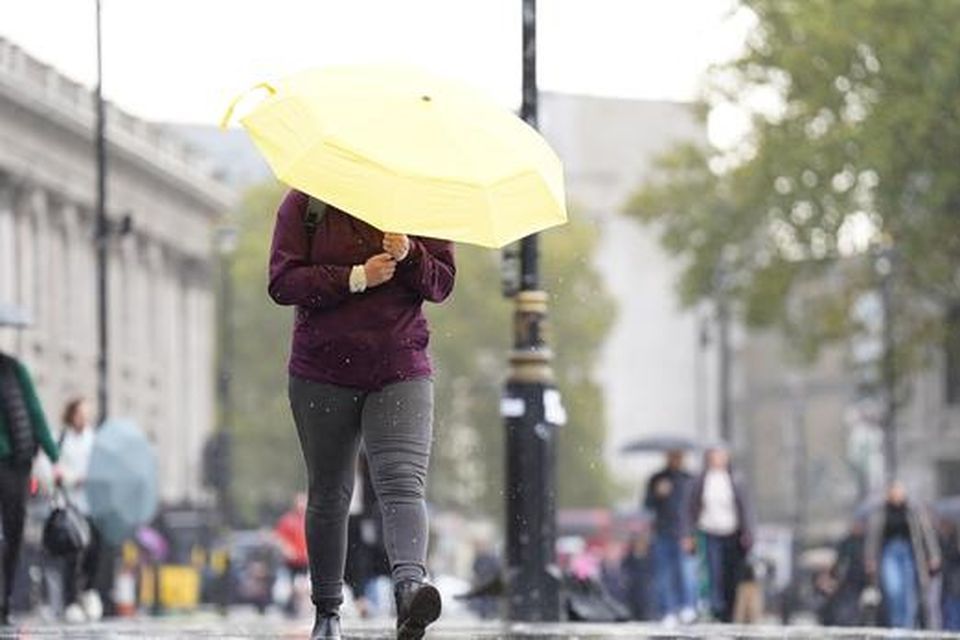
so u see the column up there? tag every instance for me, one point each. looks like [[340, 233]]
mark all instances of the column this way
[[8, 257]]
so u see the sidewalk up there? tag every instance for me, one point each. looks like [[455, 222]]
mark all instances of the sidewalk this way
[[454, 630]]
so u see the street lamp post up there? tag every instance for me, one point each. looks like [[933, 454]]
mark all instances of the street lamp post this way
[[884, 266], [532, 412], [102, 237], [226, 240]]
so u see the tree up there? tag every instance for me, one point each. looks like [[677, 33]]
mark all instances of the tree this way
[[267, 465], [857, 157], [469, 344]]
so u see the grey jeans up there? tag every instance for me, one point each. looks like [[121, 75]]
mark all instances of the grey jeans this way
[[396, 427]]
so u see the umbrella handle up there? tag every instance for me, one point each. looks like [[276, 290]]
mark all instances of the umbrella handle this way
[[225, 122]]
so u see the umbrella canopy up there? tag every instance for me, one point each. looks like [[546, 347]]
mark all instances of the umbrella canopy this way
[[13, 316], [661, 444], [122, 481], [408, 152]]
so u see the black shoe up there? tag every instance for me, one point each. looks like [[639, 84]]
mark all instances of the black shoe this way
[[418, 604], [5, 619], [327, 626]]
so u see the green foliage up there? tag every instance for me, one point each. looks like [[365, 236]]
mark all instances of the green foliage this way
[[267, 466], [857, 156], [469, 344]]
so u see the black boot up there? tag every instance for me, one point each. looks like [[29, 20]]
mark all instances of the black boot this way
[[327, 626], [418, 604]]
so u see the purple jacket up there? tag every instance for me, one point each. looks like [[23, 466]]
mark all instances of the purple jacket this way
[[360, 340]]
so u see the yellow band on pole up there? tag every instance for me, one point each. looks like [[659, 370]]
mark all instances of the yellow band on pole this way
[[225, 121]]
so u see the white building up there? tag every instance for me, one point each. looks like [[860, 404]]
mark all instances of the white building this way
[[160, 288], [651, 371]]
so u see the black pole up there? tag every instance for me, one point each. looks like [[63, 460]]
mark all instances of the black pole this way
[[885, 266], [102, 241], [225, 452], [723, 369], [531, 409]]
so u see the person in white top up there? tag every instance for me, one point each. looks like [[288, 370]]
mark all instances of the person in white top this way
[[76, 447], [718, 510]]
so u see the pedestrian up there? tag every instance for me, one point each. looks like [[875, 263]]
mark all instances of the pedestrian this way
[[486, 570], [673, 546], [637, 573], [367, 564], [611, 570], [843, 585], [80, 570], [950, 603], [718, 510], [290, 533], [23, 429], [902, 554], [359, 370]]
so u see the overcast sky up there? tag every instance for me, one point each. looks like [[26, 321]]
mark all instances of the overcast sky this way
[[183, 60]]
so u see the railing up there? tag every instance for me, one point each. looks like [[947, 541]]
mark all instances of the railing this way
[[71, 100]]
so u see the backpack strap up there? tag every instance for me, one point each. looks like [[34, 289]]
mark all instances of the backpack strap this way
[[312, 216]]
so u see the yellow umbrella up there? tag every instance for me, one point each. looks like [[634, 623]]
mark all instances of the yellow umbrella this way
[[408, 152]]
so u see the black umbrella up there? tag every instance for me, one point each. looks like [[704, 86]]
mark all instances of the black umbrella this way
[[13, 316], [661, 444]]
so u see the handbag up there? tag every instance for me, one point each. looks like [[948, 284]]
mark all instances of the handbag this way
[[66, 531]]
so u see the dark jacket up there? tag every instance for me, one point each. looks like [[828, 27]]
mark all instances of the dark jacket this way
[[41, 431], [669, 512], [360, 340], [744, 514]]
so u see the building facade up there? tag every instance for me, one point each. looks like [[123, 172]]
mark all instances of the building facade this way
[[808, 451], [657, 375], [161, 296]]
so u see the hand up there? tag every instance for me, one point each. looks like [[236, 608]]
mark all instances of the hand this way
[[379, 269], [934, 567], [688, 544], [58, 476], [397, 245]]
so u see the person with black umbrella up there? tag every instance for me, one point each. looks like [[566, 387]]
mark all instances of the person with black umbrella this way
[[673, 561], [23, 430]]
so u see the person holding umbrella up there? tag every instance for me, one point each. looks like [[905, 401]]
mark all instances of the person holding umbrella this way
[[359, 370], [23, 429], [398, 164], [674, 564]]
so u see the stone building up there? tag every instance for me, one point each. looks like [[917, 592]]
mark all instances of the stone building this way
[[656, 375], [161, 289]]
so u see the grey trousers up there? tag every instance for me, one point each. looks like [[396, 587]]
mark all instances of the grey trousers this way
[[396, 427]]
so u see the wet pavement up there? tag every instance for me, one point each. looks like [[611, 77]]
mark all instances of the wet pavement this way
[[213, 627]]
